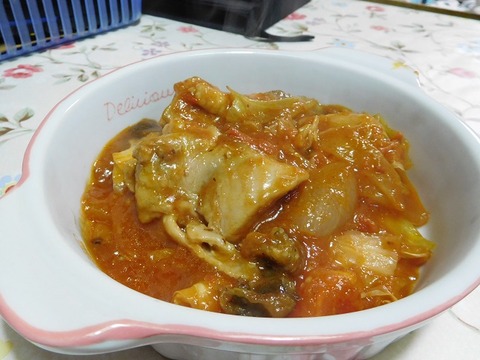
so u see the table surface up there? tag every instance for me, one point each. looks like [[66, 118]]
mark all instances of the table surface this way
[[444, 50]]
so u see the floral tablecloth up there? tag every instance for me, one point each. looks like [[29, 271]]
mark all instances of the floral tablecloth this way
[[444, 50]]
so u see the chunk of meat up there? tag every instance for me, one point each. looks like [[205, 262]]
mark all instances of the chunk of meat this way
[[162, 171]]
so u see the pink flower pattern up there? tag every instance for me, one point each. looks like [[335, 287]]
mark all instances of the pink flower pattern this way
[[379, 28], [22, 71], [296, 16], [463, 73], [70, 45], [375, 8], [187, 29]]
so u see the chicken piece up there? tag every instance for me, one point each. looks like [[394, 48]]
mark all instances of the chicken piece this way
[[124, 164], [196, 101], [163, 165], [207, 96]]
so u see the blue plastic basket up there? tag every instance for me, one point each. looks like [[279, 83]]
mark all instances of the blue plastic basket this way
[[31, 25]]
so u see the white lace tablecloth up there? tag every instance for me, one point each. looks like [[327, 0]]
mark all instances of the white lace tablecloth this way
[[444, 50]]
